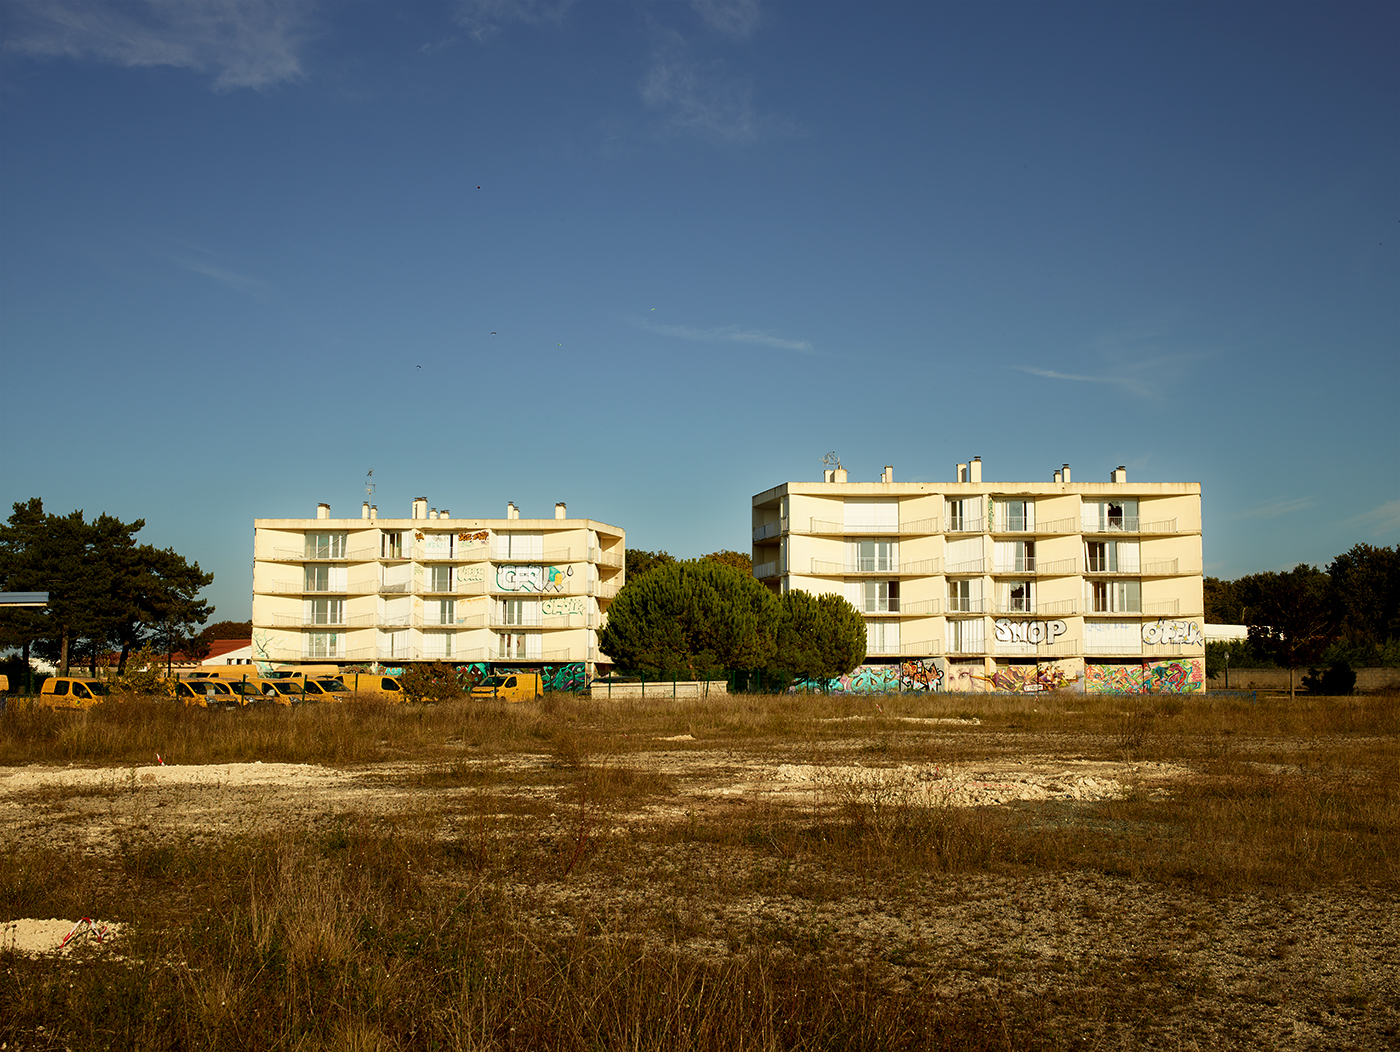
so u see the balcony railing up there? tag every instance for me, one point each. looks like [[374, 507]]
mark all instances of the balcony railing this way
[[919, 607], [551, 555], [1069, 525], [1167, 607], [1017, 607], [878, 606], [1057, 567], [962, 605], [1159, 567], [924, 648], [602, 558], [1059, 607], [965, 646], [1104, 568], [767, 530], [965, 524], [917, 527], [967, 566], [1024, 564], [1101, 609], [875, 566], [768, 569], [1059, 648]]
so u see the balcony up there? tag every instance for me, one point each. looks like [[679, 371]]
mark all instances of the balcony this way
[[499, 623], [876, 607], [294, 588], [917, 528], [1130, 524], [967, 647], [603, 558], [1017, 608], [1100, 610], [766, 570], [925, 648], [1103, 568], [964, 605], [1057, 649], [919, 607], [965, 524], [885, 567], [967, 566], [1162, 608], [1057, 567], [551, 555], [1160, 567], [1059, 608], [1057, 526], [769, 530], [1023, 565]]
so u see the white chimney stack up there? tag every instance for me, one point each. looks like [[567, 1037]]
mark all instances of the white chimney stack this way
[[364, 510], [841, 475], [560, 511], [444, 514], [512, 512], [420, 507], [323, 511], [1120, 474], [1065, 471], [962, 473], [888, 476], [1058, 476], [374, 511], [974, 470]]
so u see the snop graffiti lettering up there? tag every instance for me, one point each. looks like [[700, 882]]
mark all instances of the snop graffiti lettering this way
[[1009, 631]]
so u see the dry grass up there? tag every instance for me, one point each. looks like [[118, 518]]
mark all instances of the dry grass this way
[[582, 901]]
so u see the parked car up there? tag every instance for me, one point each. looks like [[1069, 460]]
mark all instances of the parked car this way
[[72, 692], [207, 693], [296, 689], [510, 686]]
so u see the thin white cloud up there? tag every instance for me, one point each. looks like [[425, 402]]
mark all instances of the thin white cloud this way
[[1136, 386], [240, 43], [255, 287], [1280, 506], [1380, 521], [484, 19], [1132, 358], [724, 334], [739, 19]]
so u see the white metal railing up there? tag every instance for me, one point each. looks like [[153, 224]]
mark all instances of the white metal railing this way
[[768, 529], [602, 558], [1069, 525], [965, 646], [967, 566], [925, 648], [1114, 648], [1059, 606], [1161, 526], [877, 606], [549, 555], [965, 524], [311, 621], [280, 588], [1162, 606], [1094, 607], [919, 607], [1017, 607], [1101, 567], [963, 605], [1160, 567], [907, 528], [875, 566], [1057, 567], [1129, 524], [768, 569], [1025, 564]]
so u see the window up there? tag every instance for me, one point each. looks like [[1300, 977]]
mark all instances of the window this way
[[437, 612], [521, 645], [325, 546], [391, 545], [965, 637], [872, 556], [440, 578], [318, 579], [965, 597], [325, 611], [323, 644], [1115, 597], [965, 515], [520, 611], [437, 644], [877, 516], [882, 637], [1013, 516], [1016, 597], [516, 546], [1014, 557], [1111, 556], [1110, 515], [393, 644], [880, 597]]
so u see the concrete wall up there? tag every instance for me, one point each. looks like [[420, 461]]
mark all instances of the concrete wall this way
[[1277, 679], [659, 691]]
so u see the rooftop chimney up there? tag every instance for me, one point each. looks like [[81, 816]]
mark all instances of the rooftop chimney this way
[[962, 472], [1120, 474], [512, 512], [420, 507], [560, 511], [974, 470], [432, 513], [1065, 471], [829, 475], [1058, 476], [841, 475], [444, 514], [888, 476], [374, 511], [323, 511], [364, 510]]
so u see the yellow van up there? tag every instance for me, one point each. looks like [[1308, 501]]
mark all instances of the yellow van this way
[[293, 690], [510, 686], [304, 671], [373, 683], [208, 693], [225, 672], [72, 692]]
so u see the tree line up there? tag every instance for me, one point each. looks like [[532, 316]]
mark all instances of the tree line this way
[[1343, 617], [692, 618], [106, 591]]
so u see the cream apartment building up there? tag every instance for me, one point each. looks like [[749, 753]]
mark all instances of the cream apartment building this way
[[976, 586], [431, 587]]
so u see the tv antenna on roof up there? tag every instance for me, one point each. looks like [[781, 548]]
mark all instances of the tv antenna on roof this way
[[831, 460], [369, 483]]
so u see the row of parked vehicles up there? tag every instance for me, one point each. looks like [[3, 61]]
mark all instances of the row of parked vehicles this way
[[233, 686]]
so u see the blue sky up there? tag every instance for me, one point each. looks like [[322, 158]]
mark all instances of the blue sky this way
[[653, 258]]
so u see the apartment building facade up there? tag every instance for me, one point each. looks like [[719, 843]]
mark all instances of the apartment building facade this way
[[993, 586], [383, 592]]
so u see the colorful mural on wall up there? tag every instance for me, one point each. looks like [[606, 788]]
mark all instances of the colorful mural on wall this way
[[513, 578], [1035, 679], [907, 676], [1183, 676]]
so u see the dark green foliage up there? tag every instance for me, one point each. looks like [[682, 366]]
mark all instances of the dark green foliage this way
[[1337, 680], [684, 617], [1365, 595], [638, 562], [104, 589], [437, 682], [735, 560], [1290, 615], [819, 637]]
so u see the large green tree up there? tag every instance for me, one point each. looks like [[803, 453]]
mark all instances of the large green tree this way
[[692, 616], [104, 589], [819, 637], [1365, 595], [736, 560], [638, 562], [1289, 616]]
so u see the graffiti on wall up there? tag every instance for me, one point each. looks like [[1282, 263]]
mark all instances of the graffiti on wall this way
[[1009, 631], [561, 607], [532, 578], [1180, 633], [918, 675], [907, 676], [1186, 676], [1034, 679], [476, 574]]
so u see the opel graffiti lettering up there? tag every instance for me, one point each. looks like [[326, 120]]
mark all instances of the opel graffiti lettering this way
[[561, 607], [532, 578], [1178, 633], [1035, 632]]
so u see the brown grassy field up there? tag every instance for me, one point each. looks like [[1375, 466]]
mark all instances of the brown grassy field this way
[[757, 872]]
